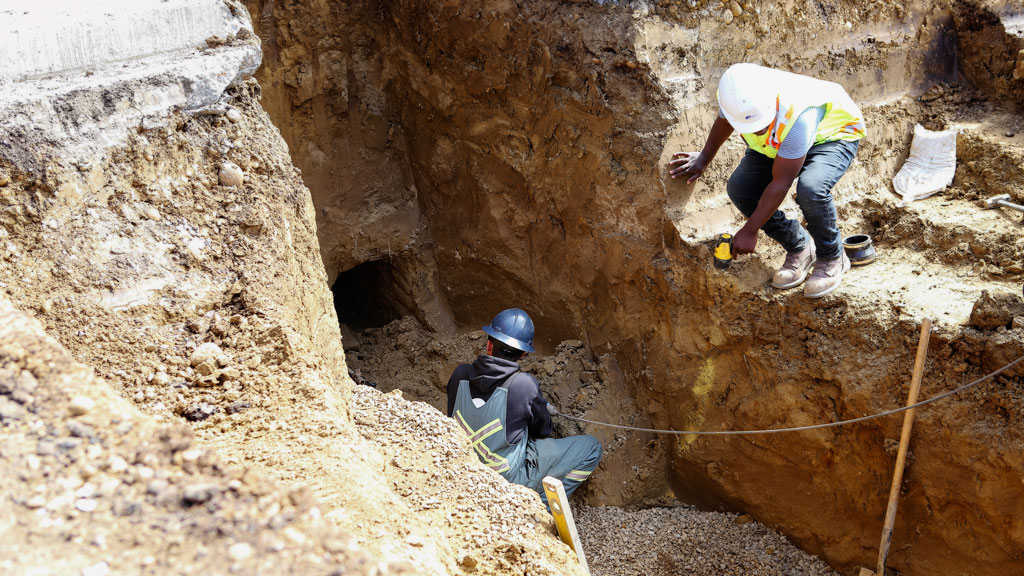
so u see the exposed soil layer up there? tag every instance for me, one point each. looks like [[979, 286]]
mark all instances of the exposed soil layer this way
[[206, 303], [991, 47], [535, 135]]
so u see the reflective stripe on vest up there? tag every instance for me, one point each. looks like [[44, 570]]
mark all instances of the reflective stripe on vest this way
[[795, 94], [485, 425], [477, 437]]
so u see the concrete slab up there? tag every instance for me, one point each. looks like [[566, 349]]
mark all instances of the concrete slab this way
[[77, 77], [50, 36]]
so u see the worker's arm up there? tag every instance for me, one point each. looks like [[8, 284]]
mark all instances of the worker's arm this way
[[540, 418], [453, 386], [784, 172], [695, 164]]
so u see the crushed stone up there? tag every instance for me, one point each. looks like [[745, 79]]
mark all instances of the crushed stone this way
[[684, 540]]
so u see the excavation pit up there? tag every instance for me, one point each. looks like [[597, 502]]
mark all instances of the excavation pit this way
[[554, 212], [405, 356], [464, 158]]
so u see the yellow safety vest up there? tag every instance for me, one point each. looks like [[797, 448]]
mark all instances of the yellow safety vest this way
[[793, 95]]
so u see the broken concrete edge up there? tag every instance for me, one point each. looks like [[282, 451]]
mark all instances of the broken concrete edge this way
[[76, 115], [47, 37]]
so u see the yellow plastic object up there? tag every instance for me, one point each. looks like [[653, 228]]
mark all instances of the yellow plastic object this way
[[723, 251], [559, 504]]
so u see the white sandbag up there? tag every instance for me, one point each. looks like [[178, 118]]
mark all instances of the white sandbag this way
[[930, 167]]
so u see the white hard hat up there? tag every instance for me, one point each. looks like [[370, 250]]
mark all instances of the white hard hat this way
[[747, 97]]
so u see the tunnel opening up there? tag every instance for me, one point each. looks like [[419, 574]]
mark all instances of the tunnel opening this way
[[369, 295]]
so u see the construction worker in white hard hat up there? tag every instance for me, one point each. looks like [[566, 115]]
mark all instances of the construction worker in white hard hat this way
[[795, 127]]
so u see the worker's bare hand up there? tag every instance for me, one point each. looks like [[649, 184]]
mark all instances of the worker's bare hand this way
[[744, 242], [692, 163]]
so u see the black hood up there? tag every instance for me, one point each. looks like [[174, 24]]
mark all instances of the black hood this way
[[488, 372]]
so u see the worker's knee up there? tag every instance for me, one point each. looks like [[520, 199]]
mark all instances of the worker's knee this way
[[594, 451], [810, 189], [734, 188]]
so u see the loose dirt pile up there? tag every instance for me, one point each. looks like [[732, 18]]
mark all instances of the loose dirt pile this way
[[93, 486]]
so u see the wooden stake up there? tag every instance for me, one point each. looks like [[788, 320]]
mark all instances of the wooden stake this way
[[559, 504], [901, 458]]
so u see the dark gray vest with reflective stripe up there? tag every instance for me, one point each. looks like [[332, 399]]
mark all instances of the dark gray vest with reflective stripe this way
[[486, 429]]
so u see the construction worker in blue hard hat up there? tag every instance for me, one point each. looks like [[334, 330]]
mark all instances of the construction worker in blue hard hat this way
[[508, 421], [794, 126]]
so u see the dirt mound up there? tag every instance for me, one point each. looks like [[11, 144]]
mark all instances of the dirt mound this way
[[491, 525], [93, 486]]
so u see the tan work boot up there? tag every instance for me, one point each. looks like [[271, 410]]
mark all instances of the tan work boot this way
[[794, 269], [826, 276]]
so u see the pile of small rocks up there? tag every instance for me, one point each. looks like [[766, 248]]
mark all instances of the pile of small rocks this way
[[92, 486], [494, 527], [684, 540]]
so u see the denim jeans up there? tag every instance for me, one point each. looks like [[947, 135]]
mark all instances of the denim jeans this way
[[824, 166]]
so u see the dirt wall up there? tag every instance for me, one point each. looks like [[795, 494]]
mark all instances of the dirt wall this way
[[325, 88], [991, 47], [535, 135], [181, 264]]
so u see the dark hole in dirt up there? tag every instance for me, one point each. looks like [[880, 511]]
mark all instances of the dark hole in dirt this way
[[366, 296]]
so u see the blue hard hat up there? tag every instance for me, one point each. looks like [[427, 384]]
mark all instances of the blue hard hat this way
[[512, 327]]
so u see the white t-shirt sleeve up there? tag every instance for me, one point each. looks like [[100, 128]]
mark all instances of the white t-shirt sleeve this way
[[800, 137]]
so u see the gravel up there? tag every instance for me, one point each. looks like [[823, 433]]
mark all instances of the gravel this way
[[684, 540], [199, 411]]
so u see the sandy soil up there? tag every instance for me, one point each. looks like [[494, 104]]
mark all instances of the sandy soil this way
[[92, 485]]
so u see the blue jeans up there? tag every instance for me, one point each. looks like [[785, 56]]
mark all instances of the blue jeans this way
[[824, 166]]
